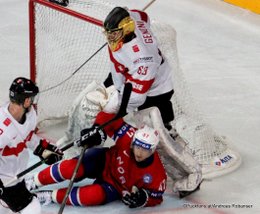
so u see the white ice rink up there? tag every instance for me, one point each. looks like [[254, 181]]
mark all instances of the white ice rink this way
[[219, 53]]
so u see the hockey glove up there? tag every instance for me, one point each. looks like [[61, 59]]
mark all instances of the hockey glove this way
[[137, 198], [48, 152], [92, 137]]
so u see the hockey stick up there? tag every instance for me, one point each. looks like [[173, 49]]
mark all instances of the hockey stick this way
[[121, 113], [148, 5]]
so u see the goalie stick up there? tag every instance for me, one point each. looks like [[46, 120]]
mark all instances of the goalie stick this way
[[121, 113]]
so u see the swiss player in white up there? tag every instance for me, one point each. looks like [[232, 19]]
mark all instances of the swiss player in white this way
[[17, 134], [136, 58]]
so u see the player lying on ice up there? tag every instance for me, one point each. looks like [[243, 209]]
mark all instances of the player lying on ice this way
[[17, 136], [130, 171]]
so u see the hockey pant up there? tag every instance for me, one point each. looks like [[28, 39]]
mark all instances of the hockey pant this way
[[163, 103], [17, 197]]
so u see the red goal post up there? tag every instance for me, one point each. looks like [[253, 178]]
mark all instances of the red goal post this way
[[63, 38]]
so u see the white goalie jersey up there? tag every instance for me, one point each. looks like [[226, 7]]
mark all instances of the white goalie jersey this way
[[180, 164]]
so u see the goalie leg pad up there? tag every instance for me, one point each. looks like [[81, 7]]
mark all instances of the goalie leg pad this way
[[183, 194], [189, 183]]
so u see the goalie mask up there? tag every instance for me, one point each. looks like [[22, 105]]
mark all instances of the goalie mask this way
[[117, 25], [21, 89], [146, 138]]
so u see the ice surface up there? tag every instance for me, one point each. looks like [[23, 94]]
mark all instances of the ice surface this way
[[219, 52]]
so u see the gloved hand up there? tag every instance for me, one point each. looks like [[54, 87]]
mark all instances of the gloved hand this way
[[92, 137], [48, 152], [95, 101], [113, 104], [137, 197]]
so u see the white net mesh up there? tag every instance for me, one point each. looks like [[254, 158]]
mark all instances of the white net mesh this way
[[65, 40]]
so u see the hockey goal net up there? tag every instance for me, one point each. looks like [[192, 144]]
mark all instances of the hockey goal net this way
[[63, 38]]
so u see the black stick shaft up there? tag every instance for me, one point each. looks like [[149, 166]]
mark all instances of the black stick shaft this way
[[72, 180]]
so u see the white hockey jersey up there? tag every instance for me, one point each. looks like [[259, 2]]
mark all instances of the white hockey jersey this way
[[141, 63], [15, 139]]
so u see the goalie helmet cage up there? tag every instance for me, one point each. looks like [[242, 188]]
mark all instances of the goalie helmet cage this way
[[63, 38]]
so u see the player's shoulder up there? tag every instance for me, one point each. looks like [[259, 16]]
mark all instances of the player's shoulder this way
[[3, 117], [139, 15], [124, 133]]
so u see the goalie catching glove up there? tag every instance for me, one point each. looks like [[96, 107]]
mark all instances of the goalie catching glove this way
[[100, 99], [48, 152], [137, 198], [93, 136]]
